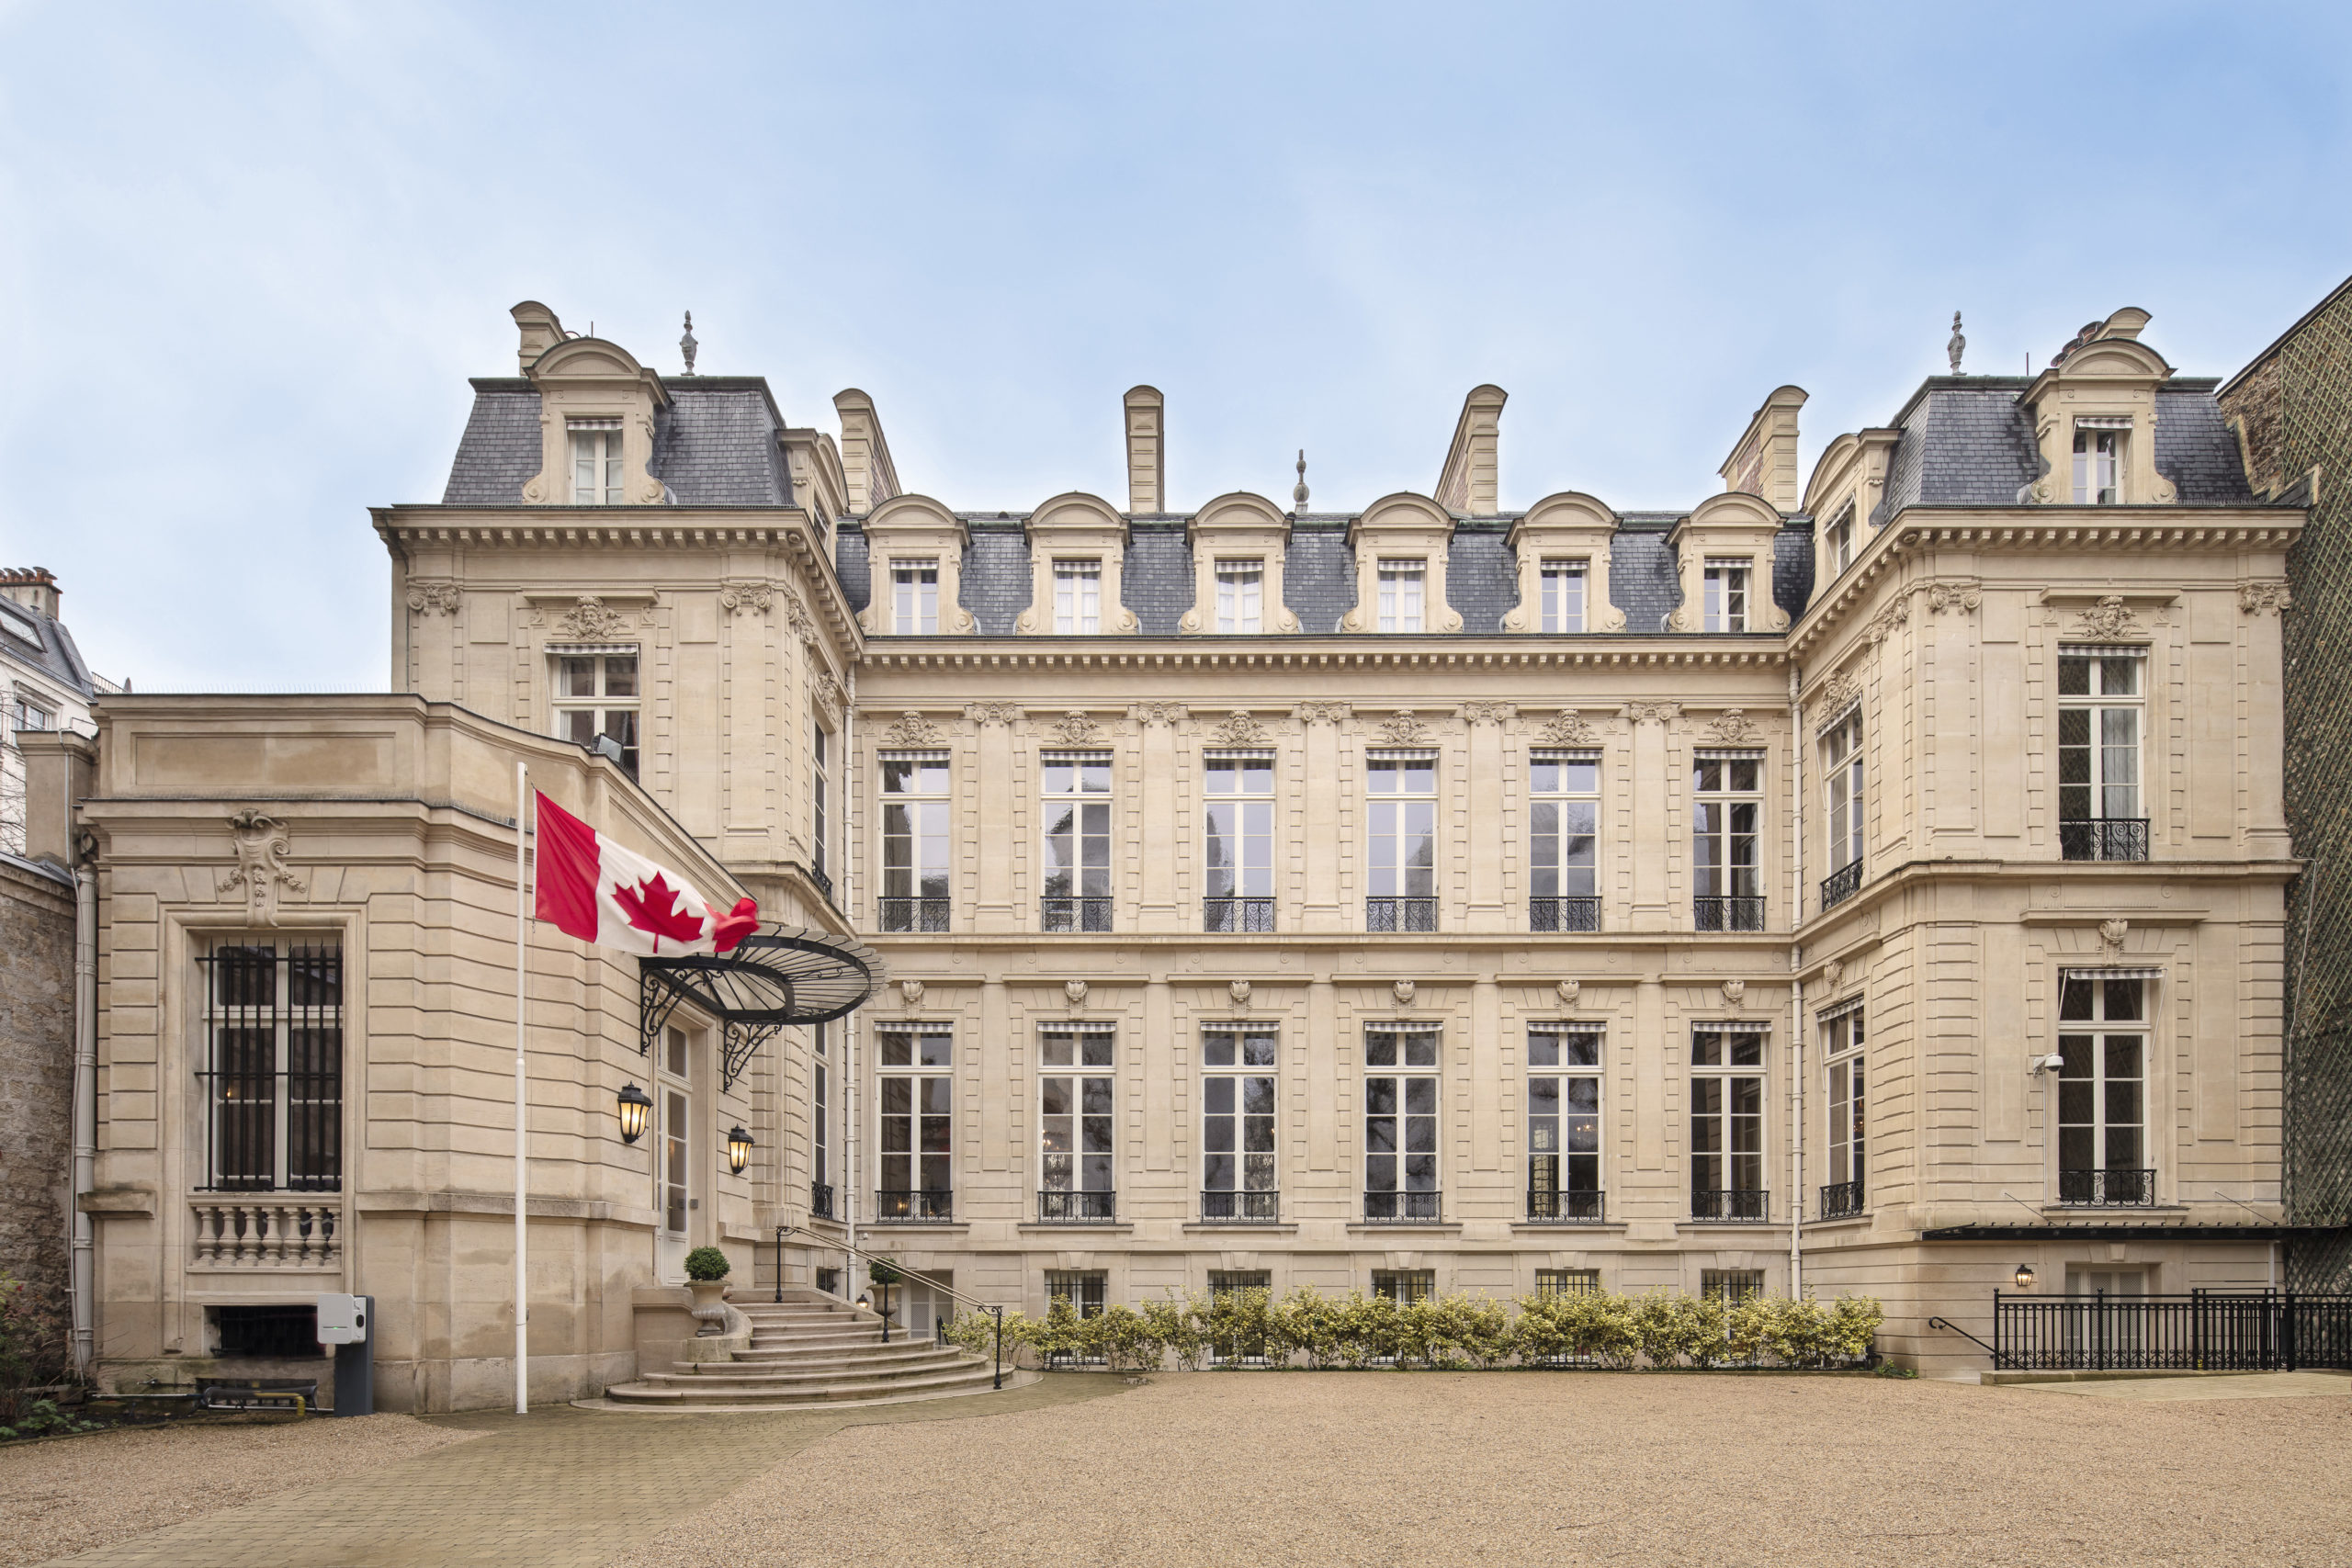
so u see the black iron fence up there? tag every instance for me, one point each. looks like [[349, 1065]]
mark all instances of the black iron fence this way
[[2104, 838], [1566, 1207], [1727, 914], [1242, 1208], [1841, 884], [914, 914], [913, 1204], [1237, 914], [1410, 913], [1731, 1205], [1569, 914], [1056, 1208], [1393, 1207], [820, 1200], [1841, 1199], [2107, 1188], [2203, 1331], [1084, 914]]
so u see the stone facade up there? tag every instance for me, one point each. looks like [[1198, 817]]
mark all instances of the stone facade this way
[[36, 1073]]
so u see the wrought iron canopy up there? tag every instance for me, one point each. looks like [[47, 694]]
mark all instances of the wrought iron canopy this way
[[777, 976]]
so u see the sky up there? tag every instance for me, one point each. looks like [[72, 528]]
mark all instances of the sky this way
[[250, 252]]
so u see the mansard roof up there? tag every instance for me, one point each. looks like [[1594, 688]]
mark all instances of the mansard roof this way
[[715, 444], [51, 650]]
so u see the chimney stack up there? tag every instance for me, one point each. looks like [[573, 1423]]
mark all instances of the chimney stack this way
[[32, 587], [1469, 483], [541, 332], [1146, 454], [1764, 463]]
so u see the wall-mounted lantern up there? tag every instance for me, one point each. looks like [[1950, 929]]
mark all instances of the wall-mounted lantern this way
[[636, 1107], [739, 1149], [2024, 1276]]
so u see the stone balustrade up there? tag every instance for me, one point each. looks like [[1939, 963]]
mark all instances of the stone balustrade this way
[[264, 1233]]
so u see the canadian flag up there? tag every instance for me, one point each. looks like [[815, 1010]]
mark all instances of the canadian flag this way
[[594, 889]]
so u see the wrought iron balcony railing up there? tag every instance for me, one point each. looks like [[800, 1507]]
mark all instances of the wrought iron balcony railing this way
[[1242, 1208], [1083, 914], [1075, 1208], [1841, 1199], [914, 914], [1570, 914], [1841, 884], [1727, 914], [820, 1200], [1731, 1205], [1566, 1208], [2107, 1188], [824, 884], [893, 1204], [1237, 914], [2104, 838], [1411, 912], [1398, 1208]]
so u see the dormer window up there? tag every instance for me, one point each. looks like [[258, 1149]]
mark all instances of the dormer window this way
[[1078, 597], [595, 462], [1725, 604], [18, 623], [1401, 583], [915, 597], [1842, 540], [1562, 596], [2098, 461], [1241, 597]]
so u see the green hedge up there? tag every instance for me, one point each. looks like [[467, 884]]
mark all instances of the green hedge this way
[[1458, 1331]]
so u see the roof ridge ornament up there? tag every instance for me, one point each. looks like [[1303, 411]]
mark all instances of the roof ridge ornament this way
[[687, 345], [1956, 347], [1298, 491]]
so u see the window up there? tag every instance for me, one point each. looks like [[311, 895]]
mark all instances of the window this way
[[1567, 1283], [1842, 540], [915, 597], [914, 841], [32, 715], [19, 624], [1564, 1123], [1086, 1290], [1403, 830], [273, 1073], [2099, 461], [1726, 806], [1732, 1286], [1841, 1047], [1727, 1124], [1563, 820], [1078, 597], [1076, 797], [1725, 602], [1841, 773], [1403, 1286], [596, 695], [1237, 1124], [820, 818], [2098, 754], [1400, 1123], [1240, 596], [820, 1177], [1077, 1099], [1562, 595], [1239, 841], [918, 1117], [595, 462], [1400, 594], [673, 1178], [2102, 1092]]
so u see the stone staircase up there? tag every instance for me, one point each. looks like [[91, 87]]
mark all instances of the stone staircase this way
[[812, 1350]]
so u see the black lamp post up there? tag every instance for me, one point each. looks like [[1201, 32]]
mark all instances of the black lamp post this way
[[739, 1149], [635, 1107]]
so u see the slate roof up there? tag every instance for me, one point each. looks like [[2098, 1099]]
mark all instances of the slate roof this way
[[1642, 578], [1156, 576], [1320, 573], [1482, 574], [714, 445], [996, 574], [51, 652]]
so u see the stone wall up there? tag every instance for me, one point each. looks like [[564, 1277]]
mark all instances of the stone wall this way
[[36, 1075]]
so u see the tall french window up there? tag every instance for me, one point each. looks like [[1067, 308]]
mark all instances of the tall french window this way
[[914, 841], [1238, 1123], [1400, 1169], [2100, 724], [1077, 1104], [1841, 1047], [1563, 1124], [1727, 812], [1075, 795], [2102, 1091], [1401, 833], [1238, 842], [1563, 825], [916, 1070], [1727, 1124], [1841, 780]]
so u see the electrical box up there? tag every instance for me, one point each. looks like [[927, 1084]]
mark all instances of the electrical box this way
[[343, 1320]]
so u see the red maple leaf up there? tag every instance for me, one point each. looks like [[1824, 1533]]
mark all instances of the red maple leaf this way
[[654, 906]]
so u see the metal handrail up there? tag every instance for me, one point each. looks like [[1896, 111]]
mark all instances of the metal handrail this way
[[904, 1273], [1939, 1323]]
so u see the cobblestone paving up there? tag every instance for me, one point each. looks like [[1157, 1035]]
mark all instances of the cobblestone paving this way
[[561, 1487]]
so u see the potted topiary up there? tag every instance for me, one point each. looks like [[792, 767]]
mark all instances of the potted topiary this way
[[706, 1270]]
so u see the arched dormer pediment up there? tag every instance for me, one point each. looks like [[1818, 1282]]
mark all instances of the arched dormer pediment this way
[[908, 532], [1396, 534], [1565, 538], [1067, 535], [1722, 556], [1734, 509], [593, 393], [1240, 530], [2094, 414]]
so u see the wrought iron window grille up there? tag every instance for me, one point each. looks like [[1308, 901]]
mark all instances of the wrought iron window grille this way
[[1728, 914], [2107, 1188], [1565, 914], [1238, 913], [1841, 884], [1090, 913], [1544, 1207], [913, 1205], [1733, 1205], [1402, 1208], [1242, 1208], [273, 1069], [820, 1200], [1841, 1199], [1077, 1208], [913, 914], [2103, 838], [1411, 912]]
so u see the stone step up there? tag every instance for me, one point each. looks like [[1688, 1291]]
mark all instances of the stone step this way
[[715, 1391], [788, 1376], [876, 1356]]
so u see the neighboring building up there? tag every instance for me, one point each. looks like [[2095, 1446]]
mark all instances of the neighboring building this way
[[2292, 408], [44, 685], [36, 1073]]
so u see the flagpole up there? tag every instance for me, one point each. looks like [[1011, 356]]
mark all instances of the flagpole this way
[[522, 1231]]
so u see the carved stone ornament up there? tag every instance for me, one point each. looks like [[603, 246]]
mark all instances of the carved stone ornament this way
[[591, 620], [1403, 991], [2257, 598], [795, 616], [1650, 713], [910, 993], [827, 691], [1322, 713], [1733, 727], [746, 598], [911, 729], [1403, 728], [2111, 934], [1735, 993], [433, 598], [2110, 620], [1151, 714], [1568, 727], [1240, 991], [1883, 624], [1830, 973], [1075, 990], [262, 847], [1237, 728], [1571, 992], [1958, 598], [1834, 696], [986, 714], [1075, 728], [1486, 713]]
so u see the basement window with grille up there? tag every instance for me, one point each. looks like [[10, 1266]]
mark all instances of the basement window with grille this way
[[272, 1073]]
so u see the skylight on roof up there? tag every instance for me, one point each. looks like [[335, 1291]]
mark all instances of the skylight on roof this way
[[19, 622]]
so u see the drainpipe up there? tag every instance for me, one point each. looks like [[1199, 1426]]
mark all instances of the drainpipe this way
[[82, 1272], [851, 769], [1796, 1004]]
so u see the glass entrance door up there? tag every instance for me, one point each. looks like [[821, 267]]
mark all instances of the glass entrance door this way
[[673, 1162]]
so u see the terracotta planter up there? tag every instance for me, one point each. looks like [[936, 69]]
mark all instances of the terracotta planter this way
[[710, 1309]]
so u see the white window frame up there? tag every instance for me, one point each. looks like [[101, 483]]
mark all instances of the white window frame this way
[[582, 716], [1843, 1045], [1078, 1070], [1727, 823], [1238, 825], [1079, 830], [1409, 1058], [1560, 1115], [1240, 596], [2102, 444], [2103, 758], [1078, 597], [1843, 777], [1400, 827], [1842, 540], [2086, 1045], [821, 814], [596, 473], [1724, 587], [1561, 814], [915, 597], [1404, 594], [917, 792], [1561, 587], [1723, 1102], [914, 1068], [1236, 1055], [676, 1166]]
